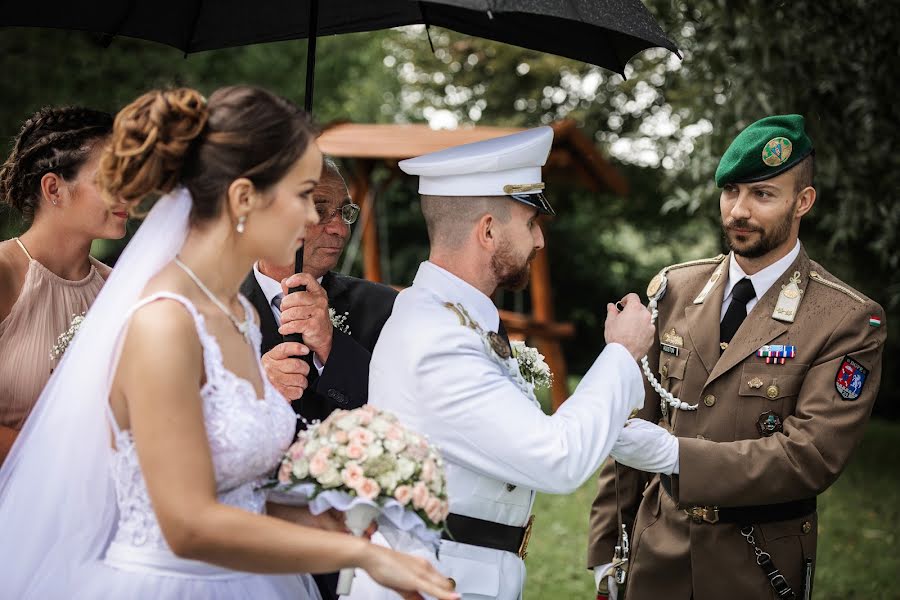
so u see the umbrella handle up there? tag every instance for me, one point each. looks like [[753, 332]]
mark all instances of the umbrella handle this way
[[298, 268]]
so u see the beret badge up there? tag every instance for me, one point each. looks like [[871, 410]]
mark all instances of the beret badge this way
[[777, 151]]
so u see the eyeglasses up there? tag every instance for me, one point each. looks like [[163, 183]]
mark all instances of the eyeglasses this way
[[349, 213]]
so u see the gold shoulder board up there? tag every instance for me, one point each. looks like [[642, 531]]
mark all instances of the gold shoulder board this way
[[814, 275]]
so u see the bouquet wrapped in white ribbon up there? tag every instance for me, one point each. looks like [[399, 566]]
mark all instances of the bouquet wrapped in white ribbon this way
[[365, 464]]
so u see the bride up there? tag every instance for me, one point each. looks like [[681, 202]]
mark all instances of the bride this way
[[138, 473]]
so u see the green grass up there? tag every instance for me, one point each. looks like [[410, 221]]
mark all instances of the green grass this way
[[859, 542]]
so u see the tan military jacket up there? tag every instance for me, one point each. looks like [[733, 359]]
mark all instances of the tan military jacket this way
[[725, 460]]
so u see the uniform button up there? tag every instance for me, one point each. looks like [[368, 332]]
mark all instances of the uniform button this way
[[700, 436], [806, 527], [709, 400]]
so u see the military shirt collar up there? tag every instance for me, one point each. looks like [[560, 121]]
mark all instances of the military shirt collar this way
[[450, 288], [762, 280]]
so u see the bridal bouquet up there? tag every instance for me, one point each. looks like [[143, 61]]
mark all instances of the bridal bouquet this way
[[365, 464]]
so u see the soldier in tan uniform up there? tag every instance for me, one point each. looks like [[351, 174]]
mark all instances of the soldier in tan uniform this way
[[768, 367]]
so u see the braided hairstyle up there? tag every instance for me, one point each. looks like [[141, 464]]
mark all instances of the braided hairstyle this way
[[54, 140], [171, 137]]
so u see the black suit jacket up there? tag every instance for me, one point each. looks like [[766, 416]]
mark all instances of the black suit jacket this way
[[344, 382]]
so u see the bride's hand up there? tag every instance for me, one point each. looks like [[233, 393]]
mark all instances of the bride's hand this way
[[409, 576]]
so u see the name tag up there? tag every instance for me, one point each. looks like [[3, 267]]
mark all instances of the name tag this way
[[670, 349]]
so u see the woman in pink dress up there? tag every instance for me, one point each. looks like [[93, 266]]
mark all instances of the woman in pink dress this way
[[47, 275]]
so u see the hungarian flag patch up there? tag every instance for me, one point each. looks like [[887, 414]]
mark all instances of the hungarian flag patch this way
[[850, 379]]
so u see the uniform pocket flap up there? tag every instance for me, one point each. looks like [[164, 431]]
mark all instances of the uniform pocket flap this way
[[472, 576], [772, 381], [671, 366]]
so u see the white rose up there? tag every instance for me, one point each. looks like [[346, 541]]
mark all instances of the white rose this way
[[388, 481], [301, 468], [394, 446], [330, 478], [375, 450], [347, 423], [405, 468]]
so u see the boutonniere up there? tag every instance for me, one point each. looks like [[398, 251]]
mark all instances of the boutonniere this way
[[339, 321], [65, 338], [524, 365], [532, 365]]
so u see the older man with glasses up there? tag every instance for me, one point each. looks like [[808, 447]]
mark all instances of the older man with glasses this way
[[339, 317]]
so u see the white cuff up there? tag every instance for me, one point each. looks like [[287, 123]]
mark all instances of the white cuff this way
[[318, 364]]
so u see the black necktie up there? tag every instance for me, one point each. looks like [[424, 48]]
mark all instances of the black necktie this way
[[737, 311]]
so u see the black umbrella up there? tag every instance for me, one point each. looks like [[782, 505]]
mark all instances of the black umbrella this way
[[605, 33]]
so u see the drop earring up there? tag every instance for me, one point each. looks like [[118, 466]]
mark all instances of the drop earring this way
[[242, 221]]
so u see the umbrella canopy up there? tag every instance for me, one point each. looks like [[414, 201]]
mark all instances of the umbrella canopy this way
[[605, 33]]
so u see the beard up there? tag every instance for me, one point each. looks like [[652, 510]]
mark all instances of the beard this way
[[511, 272], [740, 243]]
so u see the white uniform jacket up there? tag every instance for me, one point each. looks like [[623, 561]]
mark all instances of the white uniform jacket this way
[[439, 378]]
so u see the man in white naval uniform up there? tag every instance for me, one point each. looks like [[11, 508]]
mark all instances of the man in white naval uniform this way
[[442, 367]]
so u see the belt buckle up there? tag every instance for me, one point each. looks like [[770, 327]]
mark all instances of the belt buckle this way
[[700, 514], [523, 547]]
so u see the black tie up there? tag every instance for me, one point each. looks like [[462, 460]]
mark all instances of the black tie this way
[[737, 311]]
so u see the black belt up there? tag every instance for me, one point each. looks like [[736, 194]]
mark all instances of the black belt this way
[[487, 534], [745, 515]]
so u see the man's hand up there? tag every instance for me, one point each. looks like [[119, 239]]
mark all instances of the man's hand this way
[[631, 327], [286, 373], [306, 313], [646, 447]]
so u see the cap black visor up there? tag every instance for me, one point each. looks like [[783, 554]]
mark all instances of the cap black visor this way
[[538, 201]]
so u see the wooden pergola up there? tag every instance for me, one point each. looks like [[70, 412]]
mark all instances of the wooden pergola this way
[[573, 157]]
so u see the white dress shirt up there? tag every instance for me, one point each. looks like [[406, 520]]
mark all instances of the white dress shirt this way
[[271, 288], [761, 281]]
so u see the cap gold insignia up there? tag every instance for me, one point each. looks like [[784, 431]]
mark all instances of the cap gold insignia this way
[[777, 151], [672, 337], [717, 274], [522, 188], [788, 300]]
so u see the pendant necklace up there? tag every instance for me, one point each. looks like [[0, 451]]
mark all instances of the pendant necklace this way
[[242, 326]]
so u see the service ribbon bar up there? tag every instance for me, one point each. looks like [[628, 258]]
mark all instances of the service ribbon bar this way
[[777, 354]]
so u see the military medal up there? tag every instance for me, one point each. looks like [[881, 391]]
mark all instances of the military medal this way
[[875, 321], [788, 300], [768, 424], [755, 383]]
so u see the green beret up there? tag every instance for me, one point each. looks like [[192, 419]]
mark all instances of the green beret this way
[[763, 150]]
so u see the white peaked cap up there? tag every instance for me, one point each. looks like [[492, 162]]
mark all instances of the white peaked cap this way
[[500, 166]]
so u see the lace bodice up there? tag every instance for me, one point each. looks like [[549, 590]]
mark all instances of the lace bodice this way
[[247, 436]]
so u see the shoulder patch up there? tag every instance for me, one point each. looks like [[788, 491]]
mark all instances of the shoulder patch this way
[[815, 276], [850, 379]]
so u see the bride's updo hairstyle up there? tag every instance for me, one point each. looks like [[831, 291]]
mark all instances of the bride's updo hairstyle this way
[[171, 137]]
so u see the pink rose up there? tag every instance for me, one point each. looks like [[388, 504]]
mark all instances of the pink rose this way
[[324, 428], [284, 472], [403, 494], [428, 470], [368, 488], [340, 436], [296, 451], [352, 475], [319, 462], [355, 451], [361, 436], [365, 417], [445, 510], [420, 495], [394, 433], [433, 509]]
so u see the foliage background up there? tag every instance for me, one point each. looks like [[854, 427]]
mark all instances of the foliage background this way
[[664, 127]]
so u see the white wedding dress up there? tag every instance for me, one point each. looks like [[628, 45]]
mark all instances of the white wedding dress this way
[[247, 437]]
